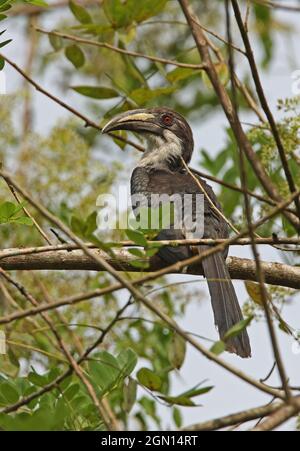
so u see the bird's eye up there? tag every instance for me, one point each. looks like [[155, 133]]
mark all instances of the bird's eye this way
[[167, 119]]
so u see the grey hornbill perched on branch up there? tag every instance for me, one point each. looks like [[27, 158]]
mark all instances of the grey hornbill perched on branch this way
[[161, 171]]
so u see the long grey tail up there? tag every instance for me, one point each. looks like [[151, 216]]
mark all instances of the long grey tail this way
[[227, 311]]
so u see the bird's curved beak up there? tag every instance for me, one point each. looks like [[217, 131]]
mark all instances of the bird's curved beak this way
[[141, 120]]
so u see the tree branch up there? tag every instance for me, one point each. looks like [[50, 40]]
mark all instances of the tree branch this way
[[280, 416], [105, 45], [236, 418], [239, 268]]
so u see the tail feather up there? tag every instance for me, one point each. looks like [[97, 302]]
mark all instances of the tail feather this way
[[227, 311]]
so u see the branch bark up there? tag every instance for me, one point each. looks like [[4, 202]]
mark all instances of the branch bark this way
[[280, 416], [239, 268], [233, 419]]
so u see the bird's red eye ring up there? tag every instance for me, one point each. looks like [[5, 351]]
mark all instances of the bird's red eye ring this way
[[167, 119]]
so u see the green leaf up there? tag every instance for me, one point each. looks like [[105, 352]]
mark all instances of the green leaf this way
[[77, 226], [184, 399], [148, 8], [23, 220], [195, 391], [144, 95], [127, 360], [56, 42], [81, 14], [105, 371], [129, 393], [136, 252], [71, 391], [37, 379], [91, 224], [8, 392], [75, 55], [181, 73], [149, 379], [2, 44], [140, 264], [218, 347], [96, 92], [178, 400], [237, 328], [176, 351], [124, 14], [5, 8], [137, 237], [177, 417], [13, 358], [7, 210], [38, 3], [152, 251], [108, 371]]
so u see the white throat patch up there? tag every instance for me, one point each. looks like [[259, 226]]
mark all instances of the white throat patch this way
[[161, 151]]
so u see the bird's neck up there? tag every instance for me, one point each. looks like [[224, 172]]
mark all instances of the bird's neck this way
[[162, 153]]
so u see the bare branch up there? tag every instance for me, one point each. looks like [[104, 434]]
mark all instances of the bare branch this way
[[233, 419], [280, 416], [105, 45], [240, 268]]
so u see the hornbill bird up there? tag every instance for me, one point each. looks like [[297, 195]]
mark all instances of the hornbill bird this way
[[169, 139]]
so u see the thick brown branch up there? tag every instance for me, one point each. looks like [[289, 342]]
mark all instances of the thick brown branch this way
[[279, 417], [236, 418], [240, 268]]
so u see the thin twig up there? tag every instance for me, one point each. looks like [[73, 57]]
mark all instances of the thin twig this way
[[105, 45]]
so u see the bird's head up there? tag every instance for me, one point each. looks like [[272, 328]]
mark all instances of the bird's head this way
[[168, 135]]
